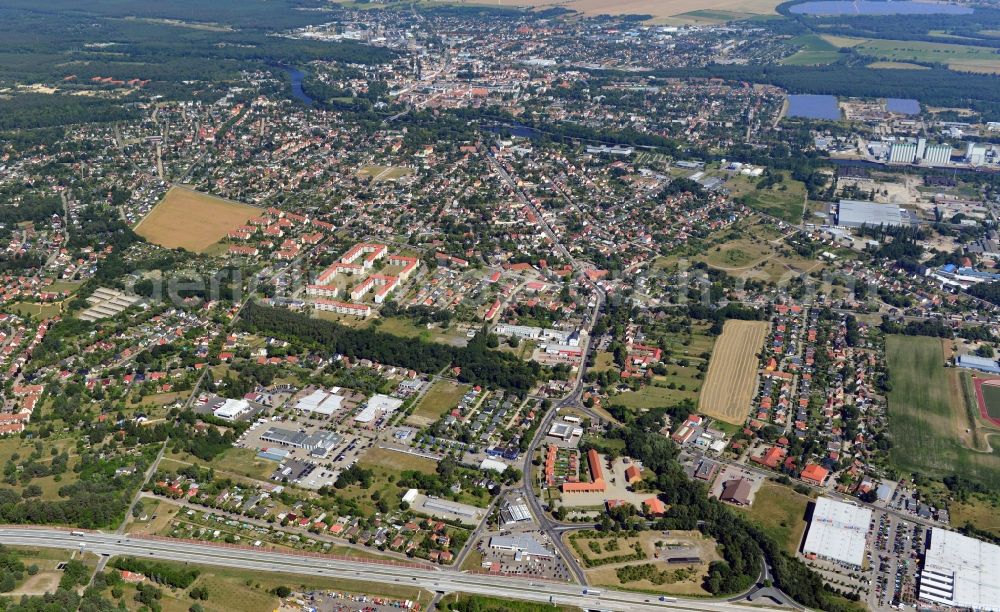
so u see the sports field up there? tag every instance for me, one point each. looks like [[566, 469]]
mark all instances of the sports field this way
[[732, 372], [928, 416], [989, 392], [192, 220]]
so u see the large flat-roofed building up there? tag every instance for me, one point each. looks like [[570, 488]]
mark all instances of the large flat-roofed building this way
[[376, 407], [854, 213], [974, 362], [837, 531], [524, 544], [321, 402], [318, 444], [960, 572], [232, 409]]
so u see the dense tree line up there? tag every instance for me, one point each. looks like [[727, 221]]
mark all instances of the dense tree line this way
[[743, 544], [719, 316], [33, 208], [11, 569], [161, 573], [986, 291], [934, 86], [479, 364], [932, 328], [91, 505], [26, 110], [969, 29]]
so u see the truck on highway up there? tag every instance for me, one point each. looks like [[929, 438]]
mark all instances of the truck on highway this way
[[77, 533], [591, 592], [665, 599]]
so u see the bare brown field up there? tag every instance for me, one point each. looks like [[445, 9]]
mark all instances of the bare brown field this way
[[659, 10], [732, 372], [192, 220]]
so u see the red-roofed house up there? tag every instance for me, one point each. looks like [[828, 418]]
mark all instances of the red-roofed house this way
[[814, 473]]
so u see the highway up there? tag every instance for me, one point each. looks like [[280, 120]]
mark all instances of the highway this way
[[434, 580]]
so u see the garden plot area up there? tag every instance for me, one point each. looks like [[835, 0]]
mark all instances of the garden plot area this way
[[673, 562]]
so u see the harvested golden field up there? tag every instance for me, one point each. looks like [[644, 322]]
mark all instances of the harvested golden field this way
[[683, 10], [192, 220], [732, 372]]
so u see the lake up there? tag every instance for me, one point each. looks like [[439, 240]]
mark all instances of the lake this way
[[514, 129], [903, 106], [813, 107], [873, 7], [296, 76]]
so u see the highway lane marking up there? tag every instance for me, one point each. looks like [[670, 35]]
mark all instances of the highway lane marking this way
[[265, 561]]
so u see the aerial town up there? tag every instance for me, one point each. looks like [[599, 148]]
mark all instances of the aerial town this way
[[369, 305]]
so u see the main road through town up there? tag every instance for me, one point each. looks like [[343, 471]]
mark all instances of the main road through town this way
[[435, 580], [574, 396]]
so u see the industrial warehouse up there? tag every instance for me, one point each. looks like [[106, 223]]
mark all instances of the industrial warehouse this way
[[960, 572], [838, 531], [317, 444], [855, 213]]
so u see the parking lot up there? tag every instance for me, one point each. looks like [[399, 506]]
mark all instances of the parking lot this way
[[507, 562], [894, 552], [338, 601]]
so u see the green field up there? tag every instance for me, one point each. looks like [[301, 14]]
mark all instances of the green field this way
[[812, 50], [439, 399], [781, 512], [897, 66], [400, 326], [36, 310], [603, 361], [738, 254], [750, 248], [785, 200], [384, 173], [250, 591], [461, 601], [981, 512], [927, 415], [991, 396], [957, 57], [655, 396], [235, 461]]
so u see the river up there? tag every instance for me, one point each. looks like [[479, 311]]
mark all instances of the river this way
[[296, 76]]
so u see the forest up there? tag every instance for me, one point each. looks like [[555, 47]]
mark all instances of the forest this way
[[210, 48], [986, 291], [479, 365]]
